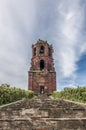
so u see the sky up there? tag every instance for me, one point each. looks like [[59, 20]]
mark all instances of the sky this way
[[61, 22]]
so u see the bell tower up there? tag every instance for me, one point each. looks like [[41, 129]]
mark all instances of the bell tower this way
[[42, 75]]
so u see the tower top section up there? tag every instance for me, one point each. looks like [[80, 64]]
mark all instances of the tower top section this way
[[42, 48], [40, 41]]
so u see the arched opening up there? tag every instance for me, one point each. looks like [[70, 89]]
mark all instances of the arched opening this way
[[42, 49], [42, 65], [34, 51], [49, 52], [42, 89]]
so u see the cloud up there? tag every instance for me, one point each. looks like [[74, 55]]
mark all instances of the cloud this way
[[68, 45], [22, 23], [17, 20]]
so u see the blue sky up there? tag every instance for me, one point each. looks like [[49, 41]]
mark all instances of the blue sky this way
[[61, 22]]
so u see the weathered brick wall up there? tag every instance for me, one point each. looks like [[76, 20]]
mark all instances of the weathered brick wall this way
[[43, 114], [47, 79], [47, 75]]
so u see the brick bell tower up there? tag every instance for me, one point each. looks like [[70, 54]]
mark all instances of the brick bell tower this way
[[42, 75]]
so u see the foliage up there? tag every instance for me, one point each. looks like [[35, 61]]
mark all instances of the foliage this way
[[40, 41], [56, 94], [11, 94], [37, 71], [74, 94]]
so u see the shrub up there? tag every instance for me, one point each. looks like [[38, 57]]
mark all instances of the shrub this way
[[74, 94], [11, 94]]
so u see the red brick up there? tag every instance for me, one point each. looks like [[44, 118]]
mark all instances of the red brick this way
[[46, 78]]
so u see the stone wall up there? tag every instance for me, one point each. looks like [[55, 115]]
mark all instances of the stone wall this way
[[43, 114]]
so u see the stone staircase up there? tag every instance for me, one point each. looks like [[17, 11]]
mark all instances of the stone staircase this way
[[43, 113]]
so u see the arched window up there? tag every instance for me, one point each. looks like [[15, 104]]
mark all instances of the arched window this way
[[42, 64], [34, 51], [49, 52], [42, 49]]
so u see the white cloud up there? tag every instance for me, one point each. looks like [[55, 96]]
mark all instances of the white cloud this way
[[67, 32], [17, 22], [22, 22]]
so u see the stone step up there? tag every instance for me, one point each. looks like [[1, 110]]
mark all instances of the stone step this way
[[44, 124], [45, 103], [43, 114]]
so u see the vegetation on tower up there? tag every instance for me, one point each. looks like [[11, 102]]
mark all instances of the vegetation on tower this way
[[41, 41]]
